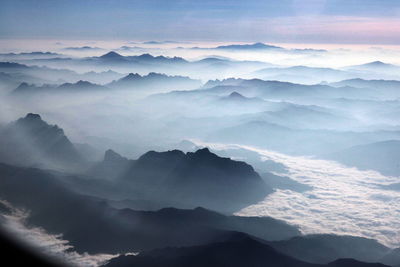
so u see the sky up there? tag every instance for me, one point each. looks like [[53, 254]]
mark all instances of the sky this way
[[275, 21]]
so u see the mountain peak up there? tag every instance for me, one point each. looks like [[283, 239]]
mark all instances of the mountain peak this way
[[131, 76], [203, 151], [110, 155], [111, 55], [236, 95], [145, 56], [377, 63], [32, 116], [258, 45], [81, 82]]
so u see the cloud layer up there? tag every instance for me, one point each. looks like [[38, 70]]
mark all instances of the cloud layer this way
[[343, 200]]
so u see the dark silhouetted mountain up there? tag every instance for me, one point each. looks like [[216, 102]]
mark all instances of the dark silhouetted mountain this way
[[353, 263], [147, 58], [31, 141], [197, 179], [80, 86], [325, 248], [238, 250], [154, 82], [255, 46], [93, 226], [112, 56], [385, 159], [140, 60]]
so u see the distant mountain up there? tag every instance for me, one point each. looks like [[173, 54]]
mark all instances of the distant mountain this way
[[154, 82], [255, 46], [380, 156], [43, 73], [237, 250], [102, 77], [30, 141], [112, 56], [9, 81], [29, 55], [25, 88], [236, 97], [377, 67], [82, 48], [292, 141], [285, 90], [303, 74], [78, 87], [387, 88], [374, 65], [163, 42], [196, 179]]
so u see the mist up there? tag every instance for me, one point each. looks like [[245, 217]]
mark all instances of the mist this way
[[248, 137]]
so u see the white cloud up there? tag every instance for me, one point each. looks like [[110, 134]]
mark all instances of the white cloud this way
[[343, 200]]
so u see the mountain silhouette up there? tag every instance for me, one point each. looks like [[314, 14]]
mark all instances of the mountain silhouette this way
[[111, 55], [91, 225], [78, 87], [255, 46], [154, 82], [198, 178], [237, 250], [30, 141], [324, 248]]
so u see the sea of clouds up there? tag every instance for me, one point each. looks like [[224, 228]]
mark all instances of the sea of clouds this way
[[343, 200]]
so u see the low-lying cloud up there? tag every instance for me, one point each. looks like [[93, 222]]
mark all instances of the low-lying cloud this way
[[343, 200]]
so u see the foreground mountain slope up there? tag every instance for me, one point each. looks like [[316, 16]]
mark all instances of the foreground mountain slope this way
[[237, 251], [324, 248], [93, 226]]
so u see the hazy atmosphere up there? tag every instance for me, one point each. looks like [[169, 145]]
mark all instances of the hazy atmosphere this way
[[200, 133]]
